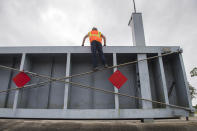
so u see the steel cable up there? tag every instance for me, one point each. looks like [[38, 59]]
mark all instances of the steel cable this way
[[81, 74], [51, 79]]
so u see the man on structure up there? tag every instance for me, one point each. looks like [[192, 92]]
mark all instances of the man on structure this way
[[96, 45]]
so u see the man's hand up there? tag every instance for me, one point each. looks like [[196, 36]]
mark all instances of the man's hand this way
[[86, 36], [104, 38]]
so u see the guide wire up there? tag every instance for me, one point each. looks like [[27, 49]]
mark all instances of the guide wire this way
[[84, 73], [109, 92], [51, 79]]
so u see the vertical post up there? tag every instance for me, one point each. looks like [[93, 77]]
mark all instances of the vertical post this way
[[185, 81], [139, 40], [137, 30], [144, 81], [115, 89], [17, 91], [68, 63], [165, 90]]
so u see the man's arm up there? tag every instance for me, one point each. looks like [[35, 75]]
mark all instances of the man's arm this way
[[86, 36], [104, 38]]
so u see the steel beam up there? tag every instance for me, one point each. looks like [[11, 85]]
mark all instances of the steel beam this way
[[185, 81], [115, 89], [15, 104], [144, 81], [86, 49], [164, 86], [66, 92]]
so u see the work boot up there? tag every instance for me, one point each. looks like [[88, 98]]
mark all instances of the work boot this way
[[106, 66], [95, 69]]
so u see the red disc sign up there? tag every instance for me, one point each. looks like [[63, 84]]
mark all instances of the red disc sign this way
[[117, 79], [21, 79]]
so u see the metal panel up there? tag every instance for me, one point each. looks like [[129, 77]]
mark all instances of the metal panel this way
[[7, 99], [186, 84], [156, 82], [174, 73], [130, 87], [81, 98], [50, 95], [170, 79]]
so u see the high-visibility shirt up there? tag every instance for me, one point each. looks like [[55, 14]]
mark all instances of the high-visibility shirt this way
[[95, 35]]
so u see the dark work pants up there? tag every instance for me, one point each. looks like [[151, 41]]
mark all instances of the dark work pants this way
[[97, 46]]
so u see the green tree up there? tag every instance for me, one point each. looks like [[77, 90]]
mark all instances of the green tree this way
[[194, 72], [191, 88], [192, 91], [195, 106]]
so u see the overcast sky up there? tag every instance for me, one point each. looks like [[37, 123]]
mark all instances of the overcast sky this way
[[65, 22]]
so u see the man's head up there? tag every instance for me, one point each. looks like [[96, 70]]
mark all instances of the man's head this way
[[94, 28]]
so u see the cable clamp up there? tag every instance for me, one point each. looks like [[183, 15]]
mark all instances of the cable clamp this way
[[180, 50], [166, 50]]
